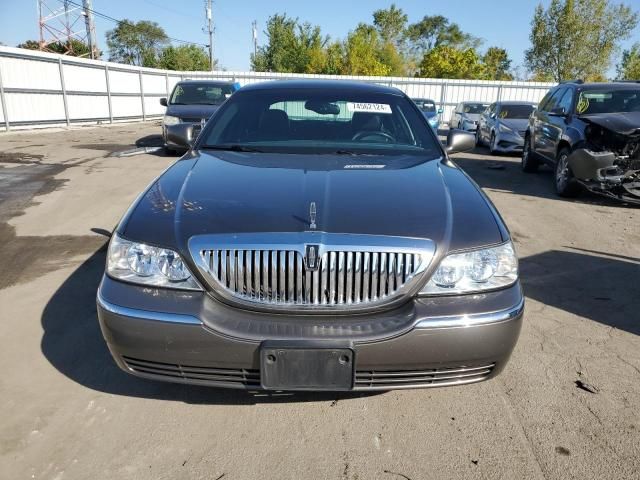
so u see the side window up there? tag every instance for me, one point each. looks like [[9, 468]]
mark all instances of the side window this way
[[566, 101], [542, 106], [554, 100]]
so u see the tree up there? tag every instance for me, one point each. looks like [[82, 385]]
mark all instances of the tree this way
[[629, 67], [435, 31], [362, 53], [136, 43], [449, 62], [185, 58], [577, 38], [291, 47], [74, 48], [390, 24], [497, 64]]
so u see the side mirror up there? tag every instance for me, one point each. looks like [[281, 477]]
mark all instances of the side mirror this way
[[163, 101], [460, 141], [558, 112], [440, 110], [181, 134]]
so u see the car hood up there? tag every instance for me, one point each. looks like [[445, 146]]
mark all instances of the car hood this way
[[626, 123], [472, 116], [191, 111], [430, 114], [234, 192], [515, 123]]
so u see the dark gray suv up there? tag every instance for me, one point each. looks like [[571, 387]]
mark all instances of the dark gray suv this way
[[316, 236]]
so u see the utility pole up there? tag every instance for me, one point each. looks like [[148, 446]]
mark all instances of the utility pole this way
[[210, 28], [254, 29], [91, 28]]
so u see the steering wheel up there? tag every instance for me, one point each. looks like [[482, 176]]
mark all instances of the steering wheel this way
[[365, 135]]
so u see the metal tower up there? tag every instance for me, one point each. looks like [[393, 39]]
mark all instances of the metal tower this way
[[62, 22]]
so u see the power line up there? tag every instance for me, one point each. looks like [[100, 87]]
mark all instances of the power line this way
[[107, 17]]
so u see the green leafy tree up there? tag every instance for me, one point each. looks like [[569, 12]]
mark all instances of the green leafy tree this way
[[74, 48], [497, 64], [138, 43], [450, 62], [291, 47], [436, 31], [184, 57], [577, 38], [362, 53], [629, 67], [391, 24]]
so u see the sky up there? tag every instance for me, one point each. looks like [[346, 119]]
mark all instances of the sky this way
[[502, 23]]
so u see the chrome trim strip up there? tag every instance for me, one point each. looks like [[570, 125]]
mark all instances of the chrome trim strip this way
[[473, 320], [147, 314]]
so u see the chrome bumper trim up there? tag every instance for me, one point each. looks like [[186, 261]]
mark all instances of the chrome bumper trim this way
[[473, 320], [147, 314]]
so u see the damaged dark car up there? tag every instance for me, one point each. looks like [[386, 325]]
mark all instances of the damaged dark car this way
[[590, 135]]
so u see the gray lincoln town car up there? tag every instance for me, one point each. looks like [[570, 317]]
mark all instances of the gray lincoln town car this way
[[315, 236]]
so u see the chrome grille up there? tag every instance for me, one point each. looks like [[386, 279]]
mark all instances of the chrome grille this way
[[269, 271], [281, 277]]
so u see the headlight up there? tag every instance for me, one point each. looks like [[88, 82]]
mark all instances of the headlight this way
[[433, 121], [474, 271], [505, 129], [170, 120], [148, 265]]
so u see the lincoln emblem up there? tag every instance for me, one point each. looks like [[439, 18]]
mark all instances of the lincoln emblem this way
[[311, 257], [312, 216]]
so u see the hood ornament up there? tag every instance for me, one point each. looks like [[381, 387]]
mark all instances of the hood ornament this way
[[312, 216]]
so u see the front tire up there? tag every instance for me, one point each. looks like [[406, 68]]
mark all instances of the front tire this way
[[566, 184], [492, 144], [530, 162]]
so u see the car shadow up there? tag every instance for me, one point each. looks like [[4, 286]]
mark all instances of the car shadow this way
[[503, 173], [73, 344], [597, 286], [594, 285]]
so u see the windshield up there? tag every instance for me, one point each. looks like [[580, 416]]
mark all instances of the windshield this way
[[516, 111], [474, 108], [316, 121], [608, 101], [428, 106], [200, 94]]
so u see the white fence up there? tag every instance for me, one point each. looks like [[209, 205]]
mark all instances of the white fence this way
[[47, 89]]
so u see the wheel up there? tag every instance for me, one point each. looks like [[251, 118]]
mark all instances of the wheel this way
[[530, 162], [478, 138], [566, 184], [492, 144]]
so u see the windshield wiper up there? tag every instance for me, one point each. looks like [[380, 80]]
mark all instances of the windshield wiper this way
[[232, 148], [351, 152]]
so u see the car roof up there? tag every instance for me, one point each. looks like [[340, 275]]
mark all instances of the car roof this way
[[515, 102], [206, 82], [325, 85], [473, 102]]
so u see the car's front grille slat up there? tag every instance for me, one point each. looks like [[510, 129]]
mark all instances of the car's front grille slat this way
[[339, 278], [381, 379]]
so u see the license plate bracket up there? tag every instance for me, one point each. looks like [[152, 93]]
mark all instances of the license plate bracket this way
[[306, 367]]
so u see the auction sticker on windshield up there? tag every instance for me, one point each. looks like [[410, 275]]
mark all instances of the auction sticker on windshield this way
[[369, 107]]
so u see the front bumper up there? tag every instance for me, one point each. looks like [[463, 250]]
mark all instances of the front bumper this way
[[188, 337], [509, 142]]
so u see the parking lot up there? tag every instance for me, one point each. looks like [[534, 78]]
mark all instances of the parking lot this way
[[567, 405]]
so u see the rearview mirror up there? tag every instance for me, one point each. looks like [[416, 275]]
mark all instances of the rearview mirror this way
[[163, 101], [460, 141], [181, 134]]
